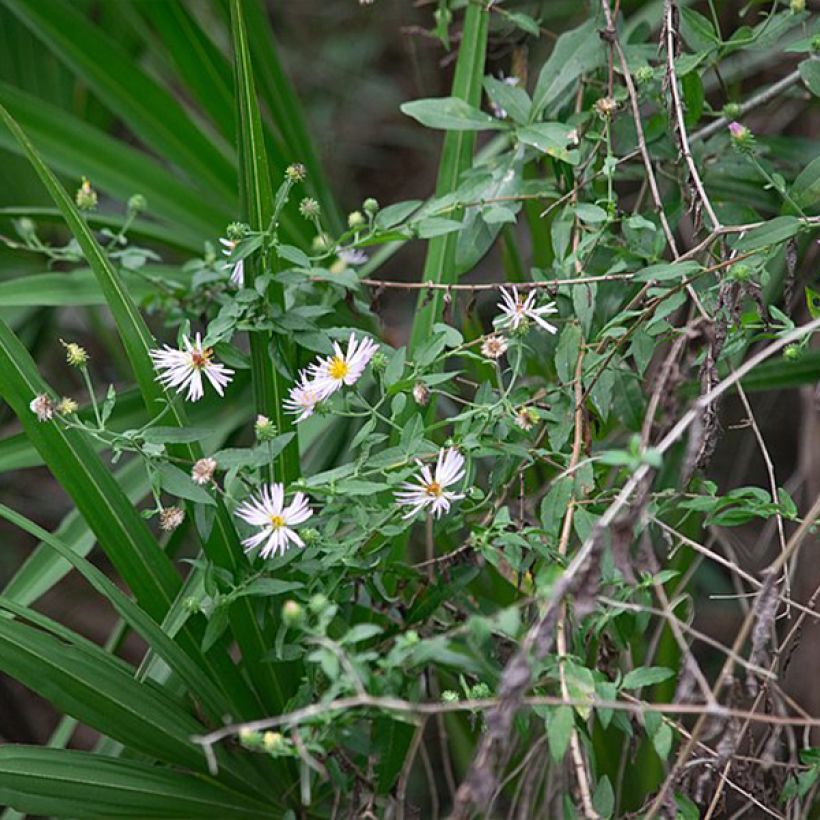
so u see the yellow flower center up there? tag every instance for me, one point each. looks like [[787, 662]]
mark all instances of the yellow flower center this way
[[277, 521], [338, 368], [433, 489], [201, 358]]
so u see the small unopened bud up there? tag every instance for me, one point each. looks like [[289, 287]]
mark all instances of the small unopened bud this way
[[379, 362], [191, 604], [421, 393], [355, 219], [264, 428], [296, 172], [86, 196], [75, 355], [742, 138], [318, 603], [731, 111], [814, 44], [606, 107], [272, 741], [249, 737], [449, 696], [237, 230], [322, 242], [170, 518], [370, 206], [203, 471], [292, 613], [310, 536], [526, 418], [792, 353], [26, 228], [137, 203], [740, 272], [309, 208], [797, 6], [644, 74], [42, 407], [67, 406]]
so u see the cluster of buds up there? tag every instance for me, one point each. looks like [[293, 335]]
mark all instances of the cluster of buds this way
[[237, 231], [86, 196]]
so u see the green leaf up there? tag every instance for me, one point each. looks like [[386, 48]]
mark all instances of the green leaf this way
[[646, 676], [512, 99], [392, 738], [550, 137], [450, 114], [360, 632], [810, 73], [773, 232], [604, 798], [180, 484], [662, 741], [64, 783], [559, 730], [674, 271], [806, 188], [257, 210], [576, 52]]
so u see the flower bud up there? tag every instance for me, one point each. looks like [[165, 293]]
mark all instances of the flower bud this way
[[797, 6], [75, 355], [191, 604], [296, 172], [272, 741], [237, 230], [740, 272], [67, 406], [449, 696], [379, 362], [322, 242], [86, 196], [644, 74], [137, 203], [264, 428], [249, 737], [318, 603], [26, 228], [310, 535], [370, 206], [742, 138], [355, 219], [292, 613], [792, 353]]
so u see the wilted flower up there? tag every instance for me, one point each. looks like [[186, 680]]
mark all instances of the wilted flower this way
[[170, 518], [203, 471], [526, 417], [184, 368], [302, 398], [309, 208], [606, 107], [276, 522], [67, 406], [494, 346], [43, 407], [352, 256], [517, 308], [429, 491], [86, 196], [75, 355], [296, 172], [342, 368], [238, 272], [421, 393]]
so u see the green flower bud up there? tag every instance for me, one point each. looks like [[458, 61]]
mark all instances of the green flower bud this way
[[379, 362], [296, 172], [273, 742], [292, 613], [191, 604], [740, 272], [796, 6], [731, 111], [249, 738], [480, 691], [264, 428], [322, 242], [792, 353], [237, 230], [743, 140], [356, 219], [814, 45], [644, 75], [137, 203], [310, 535], [318, 603], [449, 696], [370, 206], [26, 228], [86, 196]]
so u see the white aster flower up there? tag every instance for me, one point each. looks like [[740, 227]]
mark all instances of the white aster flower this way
[[429, 491], [238, 272], [184, 368], [342, 368], [352, 256], [517, 308], [276, 522], [303, 398], [42, 407]]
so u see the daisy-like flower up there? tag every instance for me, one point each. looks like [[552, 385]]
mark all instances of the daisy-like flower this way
[[275, 520], [203, 471], [517, 308], [184, 368], [352, 256], [42, 407], [494, 347], [332, 372], [238, 272], [430, 487], [303, 398], [526, 418]]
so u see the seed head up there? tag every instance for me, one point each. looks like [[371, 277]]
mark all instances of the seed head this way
[[309, 208], [606, 107], [203, 471], [170, 518], [494, 347], [43, 407]]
